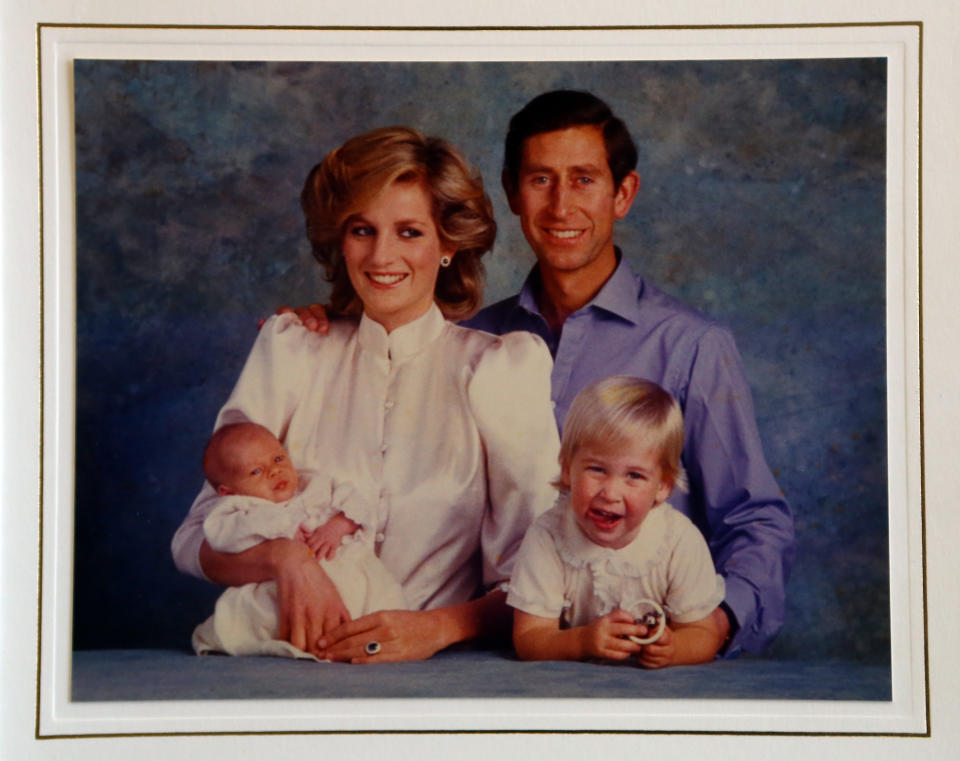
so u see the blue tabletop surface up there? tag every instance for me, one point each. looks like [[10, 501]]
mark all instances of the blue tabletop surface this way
[[181, 675]]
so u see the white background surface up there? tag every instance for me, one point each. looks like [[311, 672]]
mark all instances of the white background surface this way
[[20, 352]]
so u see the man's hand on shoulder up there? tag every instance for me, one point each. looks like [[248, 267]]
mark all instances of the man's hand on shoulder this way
[[314, 317]]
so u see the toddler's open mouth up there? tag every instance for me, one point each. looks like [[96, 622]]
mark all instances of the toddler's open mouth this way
[[604, 517]]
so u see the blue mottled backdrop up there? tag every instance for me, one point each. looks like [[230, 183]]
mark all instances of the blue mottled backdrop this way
[[762, 204]]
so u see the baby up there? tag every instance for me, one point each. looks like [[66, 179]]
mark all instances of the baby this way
[[263, 497], [612, 570]]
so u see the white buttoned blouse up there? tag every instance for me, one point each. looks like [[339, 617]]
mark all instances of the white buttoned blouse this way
[[447, 431]]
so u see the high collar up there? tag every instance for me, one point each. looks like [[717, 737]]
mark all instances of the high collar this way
[[618, 295], [403, 342]]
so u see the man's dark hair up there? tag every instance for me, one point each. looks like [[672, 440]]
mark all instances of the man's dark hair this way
[[562, 109]]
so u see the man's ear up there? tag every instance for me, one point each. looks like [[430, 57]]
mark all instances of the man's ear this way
[[224, 490], [509, 184], [624, 195]]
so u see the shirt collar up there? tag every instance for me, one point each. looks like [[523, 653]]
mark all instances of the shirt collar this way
[[406, 340], [617, 296]]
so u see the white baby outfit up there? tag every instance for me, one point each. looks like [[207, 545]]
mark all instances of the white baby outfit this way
[[561, 574], [245, 621]]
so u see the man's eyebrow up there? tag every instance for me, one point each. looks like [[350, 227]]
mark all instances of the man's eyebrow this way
[[576, 169], [526, 168]]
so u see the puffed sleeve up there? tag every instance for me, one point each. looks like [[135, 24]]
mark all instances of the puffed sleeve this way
[[536, 586], [268, 391], [509, 395], [695, 586]]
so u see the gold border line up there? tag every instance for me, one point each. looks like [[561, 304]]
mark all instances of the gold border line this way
[[919, 181]]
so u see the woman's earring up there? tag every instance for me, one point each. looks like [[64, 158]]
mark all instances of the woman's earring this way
[[445, 261]]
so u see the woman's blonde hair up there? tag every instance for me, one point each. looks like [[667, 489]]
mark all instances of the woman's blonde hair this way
[[351, 176], [615, 411]]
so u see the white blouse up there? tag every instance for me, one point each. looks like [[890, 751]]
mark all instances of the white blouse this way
[[561, 574], [447, 431]]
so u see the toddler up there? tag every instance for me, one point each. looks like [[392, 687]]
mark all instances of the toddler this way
[[263, 497], [612, 570]]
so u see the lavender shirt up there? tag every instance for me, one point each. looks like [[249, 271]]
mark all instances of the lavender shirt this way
[[631, 328]]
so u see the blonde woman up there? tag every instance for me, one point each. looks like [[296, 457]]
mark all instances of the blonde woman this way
[[447, 431]]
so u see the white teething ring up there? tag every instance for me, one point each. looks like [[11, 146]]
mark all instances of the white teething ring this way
[[649, 640]]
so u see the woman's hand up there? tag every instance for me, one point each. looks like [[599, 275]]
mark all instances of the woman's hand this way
[[403, 635], [309, 605]]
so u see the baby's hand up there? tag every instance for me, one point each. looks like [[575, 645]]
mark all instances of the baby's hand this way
[[660, 653], [326, 539], [606, 637]]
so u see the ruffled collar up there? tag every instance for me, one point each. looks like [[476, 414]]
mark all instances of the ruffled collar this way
[[633, 560], [403, 342]]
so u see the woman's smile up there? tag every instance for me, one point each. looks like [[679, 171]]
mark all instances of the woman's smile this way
[[385, 280]]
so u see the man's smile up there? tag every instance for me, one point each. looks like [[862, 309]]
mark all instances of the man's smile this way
[[563, 234]]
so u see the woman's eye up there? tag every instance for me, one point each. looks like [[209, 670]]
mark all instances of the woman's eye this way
[[255, 471], [278, 458], [362, 231], [410, 232]]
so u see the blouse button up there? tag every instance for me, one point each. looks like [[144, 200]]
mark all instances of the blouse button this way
[[379, 536]]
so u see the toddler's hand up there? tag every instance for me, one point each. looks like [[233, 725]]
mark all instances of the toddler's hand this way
[[660, 653], [606, 637]]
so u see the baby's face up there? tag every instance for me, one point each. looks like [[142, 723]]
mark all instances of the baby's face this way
[[261, 467]]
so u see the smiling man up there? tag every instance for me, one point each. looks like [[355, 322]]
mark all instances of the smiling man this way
[[570, 174]]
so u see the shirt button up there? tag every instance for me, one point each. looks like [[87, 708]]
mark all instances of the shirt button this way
[[379, 537]]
